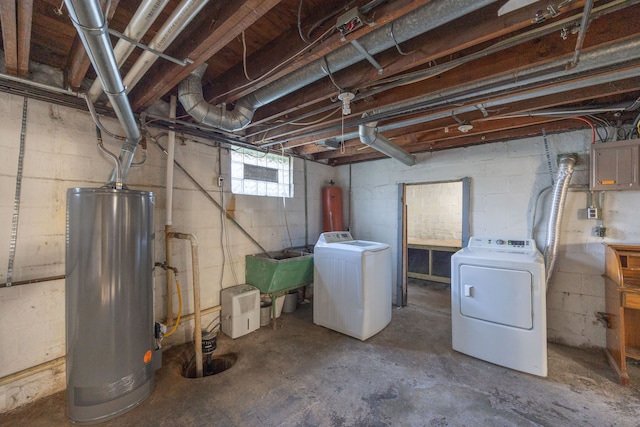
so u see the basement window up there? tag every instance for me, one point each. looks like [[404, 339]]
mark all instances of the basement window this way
[[261, 174]]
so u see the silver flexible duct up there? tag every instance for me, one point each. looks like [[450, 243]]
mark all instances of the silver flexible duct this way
[[423, 19], [565, 171], [192, 99], [91, 25], [369, 136]]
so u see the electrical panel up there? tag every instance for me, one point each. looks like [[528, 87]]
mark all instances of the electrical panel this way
[[615, 165]]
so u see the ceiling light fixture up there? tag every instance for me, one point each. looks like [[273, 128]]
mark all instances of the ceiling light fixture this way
[[463, 126], [346, 98]]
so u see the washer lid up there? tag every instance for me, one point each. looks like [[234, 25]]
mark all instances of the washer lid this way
[[342, 240]]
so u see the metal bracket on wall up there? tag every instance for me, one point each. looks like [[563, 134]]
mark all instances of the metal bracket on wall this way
[[16, 202]]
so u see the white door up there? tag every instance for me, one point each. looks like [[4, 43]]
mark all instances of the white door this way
[[497, 295]]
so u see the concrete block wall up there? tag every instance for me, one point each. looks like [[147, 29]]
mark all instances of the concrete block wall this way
[[434, 211], [506, 178], [61, 153]]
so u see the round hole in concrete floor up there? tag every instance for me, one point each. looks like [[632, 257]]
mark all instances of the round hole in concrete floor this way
[[211, 365]]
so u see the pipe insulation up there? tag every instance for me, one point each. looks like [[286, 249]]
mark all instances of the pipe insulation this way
[[369, 135], [565, 171], [423, 19], [91, 26]]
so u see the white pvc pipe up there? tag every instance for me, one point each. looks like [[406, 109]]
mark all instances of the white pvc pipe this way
[[168, 229], [140, 23], [170, 159], [196, 297], [177, 22]]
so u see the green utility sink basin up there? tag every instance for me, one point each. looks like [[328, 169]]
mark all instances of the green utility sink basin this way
[[286, 270]]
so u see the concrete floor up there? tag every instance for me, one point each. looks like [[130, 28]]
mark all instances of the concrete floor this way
[[407, 375]]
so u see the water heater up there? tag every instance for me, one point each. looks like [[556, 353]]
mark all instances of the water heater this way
[[109, 302], [332, 209]]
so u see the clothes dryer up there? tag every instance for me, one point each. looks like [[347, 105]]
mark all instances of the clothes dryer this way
[[498, 303]]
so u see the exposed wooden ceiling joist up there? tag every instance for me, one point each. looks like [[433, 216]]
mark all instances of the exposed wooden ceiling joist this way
[[234, 17], [9, 35], [261, 35]]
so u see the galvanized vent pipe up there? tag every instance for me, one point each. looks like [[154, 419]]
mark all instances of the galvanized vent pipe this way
[[180, 18], [423, 19], [369, 136], [91, 25], [140, 23], [565, 171]]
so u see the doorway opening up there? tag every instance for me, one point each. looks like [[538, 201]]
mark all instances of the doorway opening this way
[[434, 225]]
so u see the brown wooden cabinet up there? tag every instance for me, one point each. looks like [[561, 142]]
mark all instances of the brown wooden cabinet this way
[[622, 297]]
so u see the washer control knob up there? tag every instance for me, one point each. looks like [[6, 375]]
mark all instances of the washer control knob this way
[[499, 242]]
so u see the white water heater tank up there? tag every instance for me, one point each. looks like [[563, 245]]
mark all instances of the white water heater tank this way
[[240, 310]]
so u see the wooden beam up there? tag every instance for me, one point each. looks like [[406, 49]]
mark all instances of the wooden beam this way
[[9, 35], [25, 14], [442, 134], [289, 44], [507, 135], [550, 48], [436, 45], [235, 17]]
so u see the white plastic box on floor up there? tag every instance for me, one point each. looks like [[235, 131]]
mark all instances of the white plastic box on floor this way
[[240, 310]]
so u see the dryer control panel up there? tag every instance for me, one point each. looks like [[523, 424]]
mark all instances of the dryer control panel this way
[[507, 245]]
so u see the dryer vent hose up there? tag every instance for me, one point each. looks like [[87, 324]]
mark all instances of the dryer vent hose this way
[[565, 171]]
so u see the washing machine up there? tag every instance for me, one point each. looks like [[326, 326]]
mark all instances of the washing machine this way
[[352, 285], [498, 303]]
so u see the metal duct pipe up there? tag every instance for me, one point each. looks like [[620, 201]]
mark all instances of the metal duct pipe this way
[[565, 170], [174, 25], [369, 136], [192, 99], [91, 25], [140, 23], [425, 18]]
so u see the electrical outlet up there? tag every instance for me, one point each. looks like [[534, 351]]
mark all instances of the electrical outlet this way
[[220, 181], [593, 213], [599, 231]]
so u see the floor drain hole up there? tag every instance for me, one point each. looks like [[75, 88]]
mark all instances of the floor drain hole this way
[[211, 365]]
